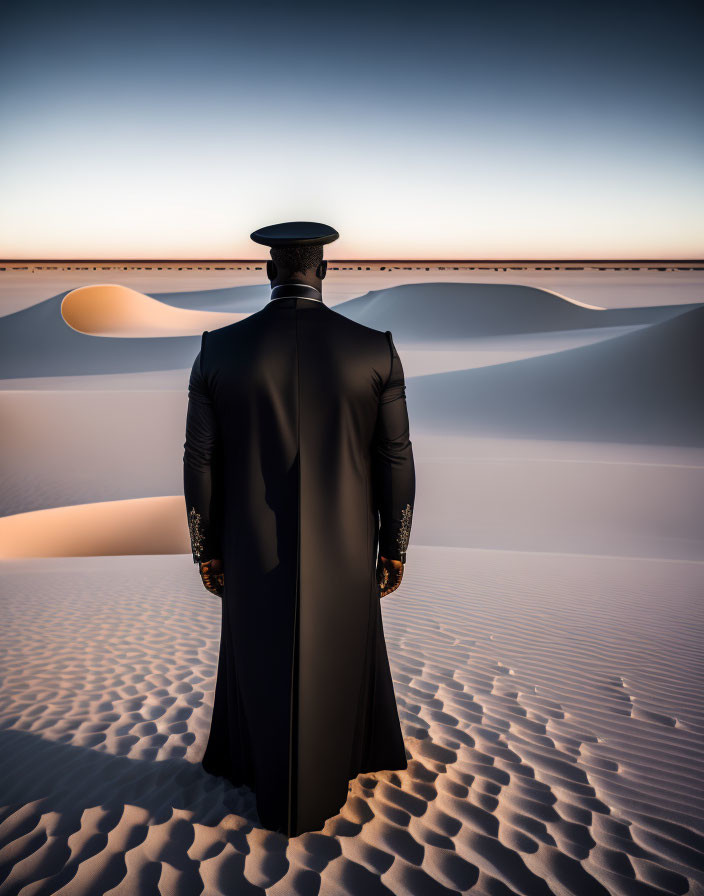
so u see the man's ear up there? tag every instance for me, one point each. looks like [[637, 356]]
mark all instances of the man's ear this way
[[322, 269], [271, 270]]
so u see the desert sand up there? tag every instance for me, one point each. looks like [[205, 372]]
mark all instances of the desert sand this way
[[550, 703], [132, 526], [545, 643]]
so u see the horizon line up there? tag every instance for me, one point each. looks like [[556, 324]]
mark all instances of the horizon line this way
[[355, 260]]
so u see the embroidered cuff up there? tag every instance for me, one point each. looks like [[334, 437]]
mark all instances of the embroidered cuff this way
[[404, 532], [197, 532], [395, 548]]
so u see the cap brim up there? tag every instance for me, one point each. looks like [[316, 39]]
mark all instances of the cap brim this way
[[295, 233]]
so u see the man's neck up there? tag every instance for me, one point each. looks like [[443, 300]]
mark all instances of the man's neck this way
[[295, 288]]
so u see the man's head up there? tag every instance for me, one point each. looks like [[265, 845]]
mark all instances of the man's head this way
[[302, 264], [296, 251]]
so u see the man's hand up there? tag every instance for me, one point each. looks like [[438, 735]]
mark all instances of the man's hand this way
[[212, 575], [388, 574]]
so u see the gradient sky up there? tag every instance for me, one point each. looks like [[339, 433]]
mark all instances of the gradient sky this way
[[506, 130]]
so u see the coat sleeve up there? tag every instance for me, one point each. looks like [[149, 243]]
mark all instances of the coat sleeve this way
[[200, 456], [393, 468]]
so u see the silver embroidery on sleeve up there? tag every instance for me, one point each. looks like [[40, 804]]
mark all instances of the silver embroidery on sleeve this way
[[195, 529], [405, 531]]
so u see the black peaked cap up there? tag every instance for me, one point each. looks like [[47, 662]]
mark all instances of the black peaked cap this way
[[295, 233]]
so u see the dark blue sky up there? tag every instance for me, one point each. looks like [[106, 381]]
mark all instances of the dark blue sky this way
[[443, 130]]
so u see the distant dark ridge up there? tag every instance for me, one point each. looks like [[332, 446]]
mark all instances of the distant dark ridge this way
[[452, 311], [641, 387], [434, 261]]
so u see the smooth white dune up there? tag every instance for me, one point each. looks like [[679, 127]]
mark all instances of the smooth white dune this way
[[445, 312], [418, 360], [490, 493], [641, 387], [73, 447], [110, 309], [470, 353]]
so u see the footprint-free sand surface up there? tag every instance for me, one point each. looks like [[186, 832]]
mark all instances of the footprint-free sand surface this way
[[551, 707]]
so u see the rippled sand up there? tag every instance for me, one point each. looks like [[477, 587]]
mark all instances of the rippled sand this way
[[551, 706]]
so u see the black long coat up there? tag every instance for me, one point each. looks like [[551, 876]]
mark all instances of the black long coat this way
[[298, 466]]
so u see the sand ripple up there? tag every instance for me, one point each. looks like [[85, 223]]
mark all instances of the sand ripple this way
[[551, 708]]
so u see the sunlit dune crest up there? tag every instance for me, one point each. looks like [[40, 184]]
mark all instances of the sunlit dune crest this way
[[573, 301], [133, 526], [109, 309]]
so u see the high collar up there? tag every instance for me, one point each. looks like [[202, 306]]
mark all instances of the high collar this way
[[296, 290]]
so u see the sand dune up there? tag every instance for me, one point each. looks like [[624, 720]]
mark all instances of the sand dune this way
[[75, 439], [136, 526], [645, 386], [418, 360], [136, 333], [150, 380], [530, 496], [109, 309], [450, 311], [38, 342], [74, 447], [548, 704], [466, 353]]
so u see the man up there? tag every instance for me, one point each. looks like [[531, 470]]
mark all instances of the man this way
[[298, 467]]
